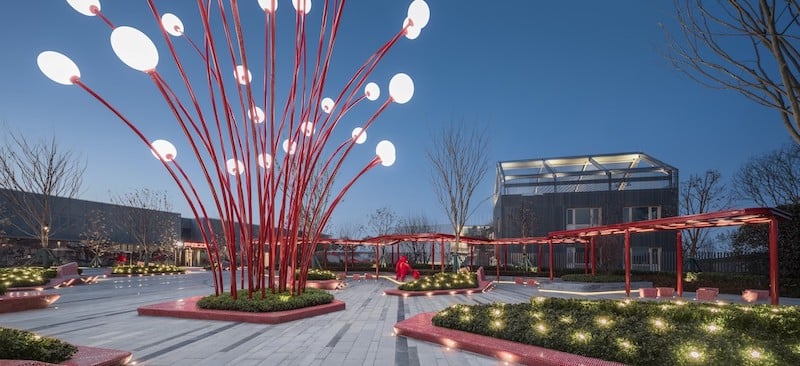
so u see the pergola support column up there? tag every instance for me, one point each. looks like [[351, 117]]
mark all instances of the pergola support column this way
[[594, 258], [627, 263], [774, 290], [552, 260], [679, 264]]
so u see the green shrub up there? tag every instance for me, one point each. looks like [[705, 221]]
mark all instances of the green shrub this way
[[24, 276], [24, 345], [316, 274], [151, 269], [641, 332], [442, 281], [271, 302], [2, 289]]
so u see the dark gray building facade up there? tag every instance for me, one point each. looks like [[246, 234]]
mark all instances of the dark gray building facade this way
[[535, 197]]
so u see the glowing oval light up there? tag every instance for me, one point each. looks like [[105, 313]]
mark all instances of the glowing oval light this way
[[302, 5], [268, 5], [385, 151], [401, 88], [256, 115], [242, 75], [288, 150], [235, 167], [327, 105], [165, 149], [412, 31], [420, 13], [372, 91], [172, 24], [307, 128], [134, 48], [265, 160], [84, 6], [57, 67], [359, 135]]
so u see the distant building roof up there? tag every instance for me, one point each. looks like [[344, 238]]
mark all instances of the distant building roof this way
[[587, 173]]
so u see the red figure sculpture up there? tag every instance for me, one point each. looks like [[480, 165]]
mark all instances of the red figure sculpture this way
[[402, 269]]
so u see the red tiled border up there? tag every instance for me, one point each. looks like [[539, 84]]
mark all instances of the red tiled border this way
[[13, 302], [86, 356], [187, 309], [420, 327], [484, 285]]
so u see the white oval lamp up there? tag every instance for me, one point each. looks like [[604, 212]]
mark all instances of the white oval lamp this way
[[235, 167], [412, 31], [303, 6], [268, 5], [172, 24], [84, 6], [287, 149], [307, 128], [242, 75], [420, 13], [164, 150], [359, 135], [327, 105], [401, 88], [57, 67], [385, 151], [372, 91], [134, 48], [265, 160], [256, 114]]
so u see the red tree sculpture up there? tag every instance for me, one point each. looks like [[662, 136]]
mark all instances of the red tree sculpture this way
[[262, 161]]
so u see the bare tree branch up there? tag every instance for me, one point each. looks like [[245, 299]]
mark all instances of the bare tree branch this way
[[32, 177], [148, 221], [713, 50], [701, 194], [457, 155]]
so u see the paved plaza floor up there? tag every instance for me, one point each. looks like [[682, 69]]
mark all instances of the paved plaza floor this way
[[104, 315]]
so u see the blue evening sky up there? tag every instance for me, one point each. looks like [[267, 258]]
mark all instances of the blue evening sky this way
[[548, 78]]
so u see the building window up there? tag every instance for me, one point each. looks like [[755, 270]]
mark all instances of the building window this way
[[579, 218], [641, 213]]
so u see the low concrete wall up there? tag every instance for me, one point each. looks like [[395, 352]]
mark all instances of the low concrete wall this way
[[590, 286]]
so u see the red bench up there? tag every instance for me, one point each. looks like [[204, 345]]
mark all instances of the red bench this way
[[665, 291], [707, 293], [648, 292], [751, 295]]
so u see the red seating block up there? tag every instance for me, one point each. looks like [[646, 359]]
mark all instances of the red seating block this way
[[648, 292], [707, 293], [665, 291], [751, 295], [519, 281], [531, 282]]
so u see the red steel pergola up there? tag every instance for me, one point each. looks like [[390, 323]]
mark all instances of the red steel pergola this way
[[747, 216]]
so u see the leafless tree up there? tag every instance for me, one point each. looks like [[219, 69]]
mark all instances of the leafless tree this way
[[148, 221], [701, 194], [96, 236], [32, 177], [382, 222], [772, 179], [417, 224], [459, 163], [749, 46], [351, 231]]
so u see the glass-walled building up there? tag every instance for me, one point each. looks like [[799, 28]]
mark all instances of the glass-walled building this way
[[536, 196]]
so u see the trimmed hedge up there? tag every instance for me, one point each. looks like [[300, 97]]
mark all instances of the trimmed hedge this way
[[316, 274], [151, 269], [23, 345], [442, 281], [25, 276], [641, 332], [271, 302]]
